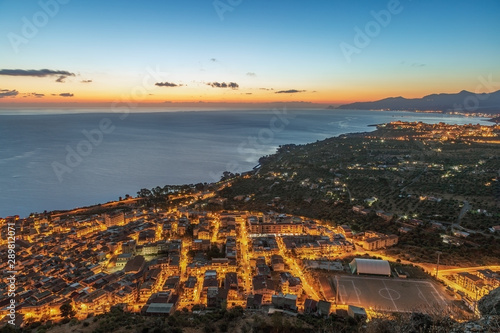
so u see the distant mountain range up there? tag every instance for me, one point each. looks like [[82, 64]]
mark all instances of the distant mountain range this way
[[464, 101]]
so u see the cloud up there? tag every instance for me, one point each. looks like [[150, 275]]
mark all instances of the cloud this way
[[213, 59], [35, 72], [86, 81], [38, 73], [8, 93], [291, 91], [66, 95], [37, 95], [251, 74], [167, 84], [414, 64], [231, 85], [266, 88]]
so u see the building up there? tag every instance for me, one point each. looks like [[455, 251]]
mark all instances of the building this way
[[190, 286], [282, 225], [210, 281], [231, 284], [288, 301], [114, 219], [122, 259], [357, 312], [345, 230], [277, 263], [370, 266], [135, 264], [473, 283], [373, 241], [264, 286], [324, 308]]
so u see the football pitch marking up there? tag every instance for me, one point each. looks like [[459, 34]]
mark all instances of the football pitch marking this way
[[400, 295]]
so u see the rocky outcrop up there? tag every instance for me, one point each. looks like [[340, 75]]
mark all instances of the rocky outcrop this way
[[489, 307]]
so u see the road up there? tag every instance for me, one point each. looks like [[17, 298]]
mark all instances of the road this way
[[462, 213], [297, 271], [244, 263]]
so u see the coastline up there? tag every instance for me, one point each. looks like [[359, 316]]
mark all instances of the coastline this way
[[105, 182]]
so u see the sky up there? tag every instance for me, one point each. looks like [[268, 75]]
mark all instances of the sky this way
[[75, 52]]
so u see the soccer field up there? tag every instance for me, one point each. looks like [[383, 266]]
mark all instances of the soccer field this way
[[387, 294]]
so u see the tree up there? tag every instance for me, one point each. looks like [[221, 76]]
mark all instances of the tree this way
[[67, 310]]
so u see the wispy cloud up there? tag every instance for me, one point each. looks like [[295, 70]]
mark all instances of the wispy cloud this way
[[66, 95], [231, 85], [251, 74], [86, 81], [167, 84], [8, 93], [37, 95], [412, 64], [291, 91]]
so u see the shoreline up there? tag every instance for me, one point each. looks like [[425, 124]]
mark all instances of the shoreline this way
[[92, 202]]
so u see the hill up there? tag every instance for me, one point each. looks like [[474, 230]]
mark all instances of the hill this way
[[464, 101]]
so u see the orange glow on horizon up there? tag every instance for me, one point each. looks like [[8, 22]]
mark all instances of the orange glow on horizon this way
[[100, 93]]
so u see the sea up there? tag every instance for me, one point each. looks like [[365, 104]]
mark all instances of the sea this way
[[63, 159]]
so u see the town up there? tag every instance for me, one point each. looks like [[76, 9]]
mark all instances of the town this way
[[156, 261], [226, 245]]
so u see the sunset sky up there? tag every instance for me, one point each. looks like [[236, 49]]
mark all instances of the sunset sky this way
[[251, 51]]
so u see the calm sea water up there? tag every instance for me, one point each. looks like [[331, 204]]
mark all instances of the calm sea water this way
[[53, 161]]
